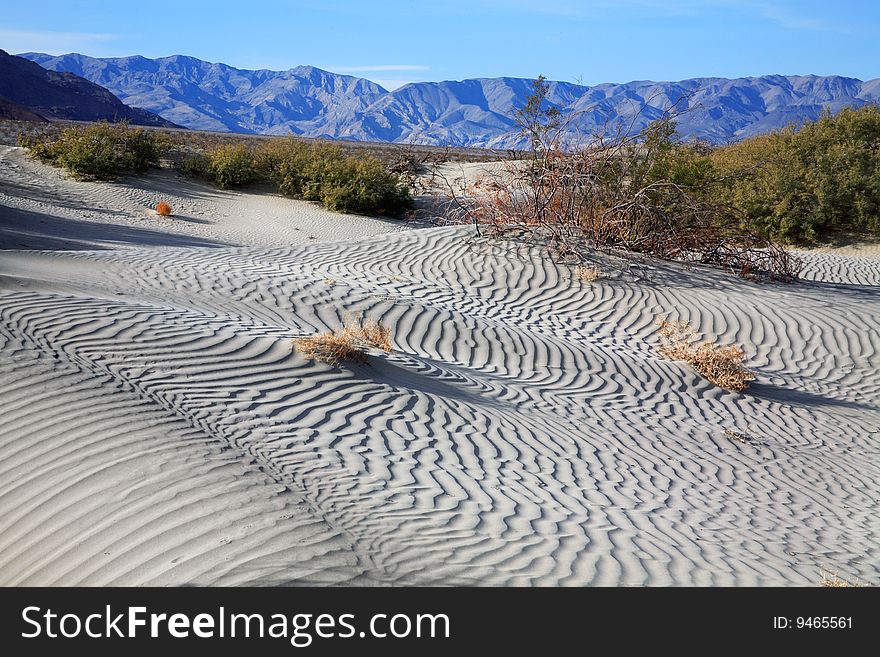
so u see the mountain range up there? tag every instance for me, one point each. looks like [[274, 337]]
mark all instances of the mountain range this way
[[32, 93], [479, 112]]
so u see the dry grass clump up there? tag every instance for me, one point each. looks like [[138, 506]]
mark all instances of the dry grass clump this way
[[163, 209], [833, 581], [721, 365], [348, 344], [588, 274], [739, 436]]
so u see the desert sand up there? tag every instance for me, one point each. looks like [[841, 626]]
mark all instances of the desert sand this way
[[158, 429]]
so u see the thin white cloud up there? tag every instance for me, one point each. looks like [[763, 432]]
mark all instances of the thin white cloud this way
[[52, 43], [790, 20], [378, 68]]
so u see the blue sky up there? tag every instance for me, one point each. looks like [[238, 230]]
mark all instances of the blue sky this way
[[397, 41]]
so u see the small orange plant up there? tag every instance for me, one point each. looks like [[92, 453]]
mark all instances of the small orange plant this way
[[721, 365], [350, 343], [163, 209]]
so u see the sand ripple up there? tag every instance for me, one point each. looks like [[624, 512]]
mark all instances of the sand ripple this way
[[158, 429]]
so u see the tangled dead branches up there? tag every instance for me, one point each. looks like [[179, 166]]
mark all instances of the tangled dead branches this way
[[639, 192]]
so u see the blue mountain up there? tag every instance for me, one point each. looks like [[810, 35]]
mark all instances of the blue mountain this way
[[311, 102]]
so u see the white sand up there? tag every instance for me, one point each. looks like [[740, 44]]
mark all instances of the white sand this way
[[158, 429], [89, 215]]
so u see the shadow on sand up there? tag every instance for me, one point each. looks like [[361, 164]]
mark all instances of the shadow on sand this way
[[26, 230], [782, 395]]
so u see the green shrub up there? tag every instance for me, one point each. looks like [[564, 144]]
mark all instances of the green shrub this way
[[232, 165], [311, 172], [364, 186], [808, 184], [322, 173], [100, 151], [197, 165], [284, 163]]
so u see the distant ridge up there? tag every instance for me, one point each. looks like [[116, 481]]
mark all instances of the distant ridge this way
[[311, 102], [30, 92], [16, 112]]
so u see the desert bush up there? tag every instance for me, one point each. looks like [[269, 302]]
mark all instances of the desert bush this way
[[196, 165], [720, 365], [323, 173], [409, 163], [284, 162], [100, 151], [642, 192], [363, 186], [233, 165], [807, 184], [348, 344], [163, 209], [225, 165], [311, 172]]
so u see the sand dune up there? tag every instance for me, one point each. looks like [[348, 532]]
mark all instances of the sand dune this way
[[159, 429], [45, 209]]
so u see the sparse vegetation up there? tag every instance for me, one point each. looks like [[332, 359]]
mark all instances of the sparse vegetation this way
[[99, 151], [186, 142], [163, 209], [312, 172], [227, 166], [722, 365], [834, 581], [348, 344], [323, 173], [743, 437], [807, 184], [412, 164], [641, 193], [349, 179], [587, 274]]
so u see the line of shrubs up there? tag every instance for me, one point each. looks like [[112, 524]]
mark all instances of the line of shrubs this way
[[807, 184], [310, 171], [793, 185], [99, 151], [798, 185]]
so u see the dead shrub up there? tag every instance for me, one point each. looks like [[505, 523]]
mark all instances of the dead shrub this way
[[720, 365], [625, 190], [833, 581], [163, 209], [348, 344], [588, 274], [743, 437]]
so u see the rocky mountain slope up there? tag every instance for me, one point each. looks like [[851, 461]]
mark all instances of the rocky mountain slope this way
[[29, 91], [315, 103]]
